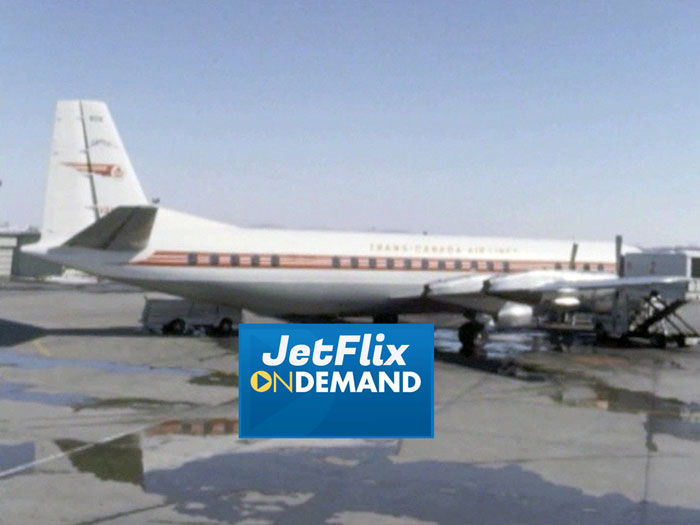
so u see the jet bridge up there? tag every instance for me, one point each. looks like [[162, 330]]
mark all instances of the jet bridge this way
[[661, 313]]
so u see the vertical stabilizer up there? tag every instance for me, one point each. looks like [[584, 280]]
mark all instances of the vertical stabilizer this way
[[89, 170]]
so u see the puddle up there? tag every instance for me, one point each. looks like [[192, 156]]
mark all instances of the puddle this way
[[300, 486], [498, 345], [314, 484], [495, 356], [663, 415], [23, 392], [12, 456], [36, 362], [216, 379]]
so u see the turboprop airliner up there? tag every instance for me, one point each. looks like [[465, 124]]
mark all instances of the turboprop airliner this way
[[97, 219]]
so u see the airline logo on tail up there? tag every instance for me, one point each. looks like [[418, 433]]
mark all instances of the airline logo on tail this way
[[106, 170]]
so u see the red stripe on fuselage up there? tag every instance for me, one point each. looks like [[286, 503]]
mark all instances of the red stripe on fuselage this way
[[345, 262]]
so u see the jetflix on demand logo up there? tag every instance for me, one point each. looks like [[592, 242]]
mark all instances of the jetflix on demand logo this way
[[336, 380]]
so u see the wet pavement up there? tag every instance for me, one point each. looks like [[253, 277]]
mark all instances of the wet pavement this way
[[102, 423]]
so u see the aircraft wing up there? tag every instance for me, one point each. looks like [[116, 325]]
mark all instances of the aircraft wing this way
[[550, 282], [617, 283], [530, 287], [463, 292]]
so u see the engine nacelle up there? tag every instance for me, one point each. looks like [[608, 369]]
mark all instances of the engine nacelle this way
[[567, 302], [514, 315]]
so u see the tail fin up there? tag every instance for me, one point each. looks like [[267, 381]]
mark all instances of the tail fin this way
[[89, 171]]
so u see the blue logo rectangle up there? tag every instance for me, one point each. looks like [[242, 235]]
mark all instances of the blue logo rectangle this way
[[336, 380]]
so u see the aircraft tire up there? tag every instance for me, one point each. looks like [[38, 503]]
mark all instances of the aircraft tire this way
[[470, 335], [177, 327], [225, 327]]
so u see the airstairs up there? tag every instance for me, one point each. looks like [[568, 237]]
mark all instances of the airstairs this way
[[663, 314], [659, 321]]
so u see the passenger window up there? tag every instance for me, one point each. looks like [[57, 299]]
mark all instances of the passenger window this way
[[191, 259], [235, 260]]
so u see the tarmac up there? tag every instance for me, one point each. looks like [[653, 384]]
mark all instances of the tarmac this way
[[101, 422]]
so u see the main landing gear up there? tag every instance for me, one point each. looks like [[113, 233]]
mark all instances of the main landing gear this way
[[471, 335]]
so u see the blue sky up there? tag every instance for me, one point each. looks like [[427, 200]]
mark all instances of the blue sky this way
[[538, 119]]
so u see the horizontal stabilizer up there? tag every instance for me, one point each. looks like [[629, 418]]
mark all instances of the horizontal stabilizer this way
[[126, 228]]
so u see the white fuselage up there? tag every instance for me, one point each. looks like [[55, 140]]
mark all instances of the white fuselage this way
[[285, 272]]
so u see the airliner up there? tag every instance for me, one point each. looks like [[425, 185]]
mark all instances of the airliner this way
[[97, 219]]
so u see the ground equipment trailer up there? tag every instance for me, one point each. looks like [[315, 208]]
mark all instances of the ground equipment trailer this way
[[175, 316]]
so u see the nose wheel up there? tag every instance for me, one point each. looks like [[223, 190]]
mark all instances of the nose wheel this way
[[471, 335]]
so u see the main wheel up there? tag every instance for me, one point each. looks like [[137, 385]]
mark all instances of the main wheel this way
[[470, 335], [226, 327], [177, 327]]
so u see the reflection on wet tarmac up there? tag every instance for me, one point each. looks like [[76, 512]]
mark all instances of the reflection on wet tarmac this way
[[38, 362], [495, 356], [196, 427], [216, 379], [199, 468], [498, 345], [135, 403], [23, 392], [14, 455], [120, 459], [312, 485], [663, 415], [117, 460], [299, 486]]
